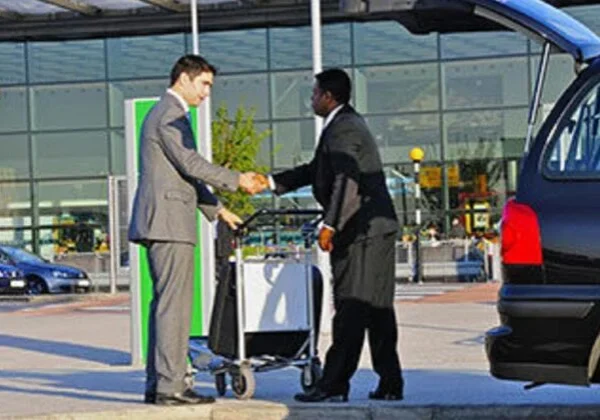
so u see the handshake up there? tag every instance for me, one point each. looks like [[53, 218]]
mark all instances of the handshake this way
[[253, 183]]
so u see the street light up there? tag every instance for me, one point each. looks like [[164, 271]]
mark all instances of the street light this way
[[417, 155]]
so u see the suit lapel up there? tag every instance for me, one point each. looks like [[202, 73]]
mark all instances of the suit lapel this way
[[173, 103]]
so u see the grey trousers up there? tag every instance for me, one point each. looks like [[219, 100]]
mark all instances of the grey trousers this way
[[172, 270]]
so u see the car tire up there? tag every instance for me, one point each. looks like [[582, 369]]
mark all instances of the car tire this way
[[35, 286]]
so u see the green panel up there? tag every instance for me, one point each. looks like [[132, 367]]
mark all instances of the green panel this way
[[141, 109]]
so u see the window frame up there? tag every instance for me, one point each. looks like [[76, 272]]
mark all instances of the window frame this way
[[583, 84]]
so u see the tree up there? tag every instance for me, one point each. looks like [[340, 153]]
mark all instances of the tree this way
[[235, 145]]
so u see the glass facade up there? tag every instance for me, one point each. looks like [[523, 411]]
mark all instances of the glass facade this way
[[463, 98]]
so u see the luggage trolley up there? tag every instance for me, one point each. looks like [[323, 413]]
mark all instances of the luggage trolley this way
[[276, 325]]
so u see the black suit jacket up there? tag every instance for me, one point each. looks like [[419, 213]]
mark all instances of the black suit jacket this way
[[347, 179]]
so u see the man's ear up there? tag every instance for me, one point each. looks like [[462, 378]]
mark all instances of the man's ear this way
[[184, 78], [329, 96]]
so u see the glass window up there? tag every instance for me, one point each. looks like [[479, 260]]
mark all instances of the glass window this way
[[411, 87], [75, 214], [20, 238], [559, 76], [264, 154], [118, 152], [66, 61], [13, 109], [12, 63], [478, 187], [292, 47], [120, 91], [291, 94], [249, 91], [234, 51], [575, 151], [396, 135], [336, 45], [482, 44], [390, 42], [59, 107], [484, 134], [70, 154], [142, 57], [294, 142], [15, 205], [14, 159], [485, 83]]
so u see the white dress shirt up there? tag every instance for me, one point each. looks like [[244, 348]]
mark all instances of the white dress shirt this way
[[181, 101]]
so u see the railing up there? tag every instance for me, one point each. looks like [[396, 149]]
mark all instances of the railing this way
[[449, 260]]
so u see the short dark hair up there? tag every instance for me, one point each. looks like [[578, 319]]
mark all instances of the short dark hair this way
[[336, 82], [193, 65]]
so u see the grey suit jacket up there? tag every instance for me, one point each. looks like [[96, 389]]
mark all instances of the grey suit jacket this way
[[172, 177]]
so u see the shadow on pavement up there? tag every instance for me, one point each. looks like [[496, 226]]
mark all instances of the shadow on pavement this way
[[75, 390], [60, 348]]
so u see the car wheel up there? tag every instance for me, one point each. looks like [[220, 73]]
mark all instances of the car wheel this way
[[36, 286]]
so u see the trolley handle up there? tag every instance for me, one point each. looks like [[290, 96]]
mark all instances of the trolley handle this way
[[276, 212]]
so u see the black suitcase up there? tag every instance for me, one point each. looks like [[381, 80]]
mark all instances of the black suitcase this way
[[222, 338]]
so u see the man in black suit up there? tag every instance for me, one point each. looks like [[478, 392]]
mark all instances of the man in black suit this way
[[360, 228]]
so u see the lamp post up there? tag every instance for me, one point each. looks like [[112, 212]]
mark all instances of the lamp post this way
[[416, 155]]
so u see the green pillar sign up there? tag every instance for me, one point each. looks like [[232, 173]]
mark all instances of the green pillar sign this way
[[140, 280]]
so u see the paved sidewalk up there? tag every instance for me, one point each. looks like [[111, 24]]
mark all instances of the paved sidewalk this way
[[71, 361]]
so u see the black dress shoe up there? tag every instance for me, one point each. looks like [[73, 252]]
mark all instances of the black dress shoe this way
[[149, 397], [181, 398], [321, 396], [381, 394]]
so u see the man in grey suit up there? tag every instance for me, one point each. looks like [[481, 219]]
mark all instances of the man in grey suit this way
[[171, 187], [360, 228]]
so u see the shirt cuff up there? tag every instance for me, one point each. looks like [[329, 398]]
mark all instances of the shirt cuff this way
[[328, 227], [271, 183]]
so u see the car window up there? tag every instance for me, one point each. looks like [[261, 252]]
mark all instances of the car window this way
[[4, 259], [575, 149]]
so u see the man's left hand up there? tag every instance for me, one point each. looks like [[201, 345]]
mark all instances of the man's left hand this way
[[326, 238]]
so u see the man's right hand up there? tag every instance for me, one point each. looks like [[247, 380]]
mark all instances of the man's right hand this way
[[227, 216], [253, 183]]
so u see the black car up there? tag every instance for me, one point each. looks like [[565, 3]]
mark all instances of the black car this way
[[549, 303], [12, 280]]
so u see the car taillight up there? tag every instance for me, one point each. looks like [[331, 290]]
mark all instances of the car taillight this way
[[521, 241]]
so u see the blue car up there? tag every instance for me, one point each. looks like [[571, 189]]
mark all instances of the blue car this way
[[12, 280], [43, 276]]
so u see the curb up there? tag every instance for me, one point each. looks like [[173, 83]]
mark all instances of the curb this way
[[64, 298], [55, 304], [272, 411]]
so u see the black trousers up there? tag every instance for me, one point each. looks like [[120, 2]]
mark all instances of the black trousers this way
[[363, 276]]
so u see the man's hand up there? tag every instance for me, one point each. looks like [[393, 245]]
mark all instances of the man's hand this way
[[253, 183], [326, 238], [232, 219]]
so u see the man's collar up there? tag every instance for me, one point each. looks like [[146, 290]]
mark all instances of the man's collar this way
[[332, 115], [181, 101]]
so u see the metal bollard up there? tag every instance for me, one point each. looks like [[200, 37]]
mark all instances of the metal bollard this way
[[417, 154]]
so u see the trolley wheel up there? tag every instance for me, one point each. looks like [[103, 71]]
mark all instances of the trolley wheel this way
[[220, 384], [310, 375], [243, 383]]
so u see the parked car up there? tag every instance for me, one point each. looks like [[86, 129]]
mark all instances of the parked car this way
[[12, 280], [549, 303], [42, 276]]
